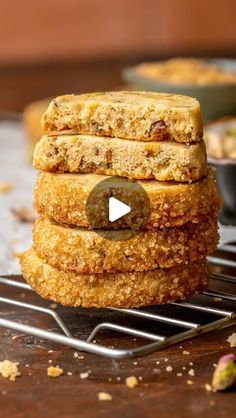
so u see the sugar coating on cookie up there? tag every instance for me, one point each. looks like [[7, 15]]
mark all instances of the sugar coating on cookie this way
[[63, 198], [133, 289], [84, 251]]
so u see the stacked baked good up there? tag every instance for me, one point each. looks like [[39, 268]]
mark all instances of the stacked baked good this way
[[154, 139], [32, 114]]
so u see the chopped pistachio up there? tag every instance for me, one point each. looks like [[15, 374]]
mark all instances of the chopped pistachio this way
[[225, 373]]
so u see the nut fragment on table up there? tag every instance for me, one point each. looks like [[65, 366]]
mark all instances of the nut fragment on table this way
[[225, 373], [24, 215]]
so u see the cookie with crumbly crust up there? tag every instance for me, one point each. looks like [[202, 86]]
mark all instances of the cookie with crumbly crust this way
[[162, 161], [84, 251], [32, 115], [121, 290], [63, 198], [138, 115]]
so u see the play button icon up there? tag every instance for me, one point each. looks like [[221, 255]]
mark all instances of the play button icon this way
[[117, 208]]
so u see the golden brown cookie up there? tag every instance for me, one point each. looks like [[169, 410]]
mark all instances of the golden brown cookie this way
[[162, 161], [32, 115], [140, 115], [121, 290], [63, 197], [85, 251]]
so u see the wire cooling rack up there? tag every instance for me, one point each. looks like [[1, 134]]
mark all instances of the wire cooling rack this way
[[173, 322]]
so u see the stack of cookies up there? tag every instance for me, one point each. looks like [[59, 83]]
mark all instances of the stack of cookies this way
[[152, 139]]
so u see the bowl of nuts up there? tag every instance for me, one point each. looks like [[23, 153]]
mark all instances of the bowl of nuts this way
[[220, 138], [211, 81]]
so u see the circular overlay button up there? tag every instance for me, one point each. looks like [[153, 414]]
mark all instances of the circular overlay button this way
[[117, 208]]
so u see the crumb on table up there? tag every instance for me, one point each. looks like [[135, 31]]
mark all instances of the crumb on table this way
[[84, 375], [53, 305], [190, 382], [9, 370], [191, 372], [54, 371], [208, 387], [104, 396], [232, 340], [131, 381]]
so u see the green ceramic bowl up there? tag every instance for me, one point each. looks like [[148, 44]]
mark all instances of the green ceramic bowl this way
[[216, 100]]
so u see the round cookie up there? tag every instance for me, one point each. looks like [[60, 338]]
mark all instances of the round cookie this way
[[121, 290], [137, 115], [85, 251], [163, 161], [63, 197]]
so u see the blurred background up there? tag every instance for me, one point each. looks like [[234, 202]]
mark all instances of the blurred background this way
[[50, 47]]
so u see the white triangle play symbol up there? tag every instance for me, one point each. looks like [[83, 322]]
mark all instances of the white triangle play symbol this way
[[117, 209]]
